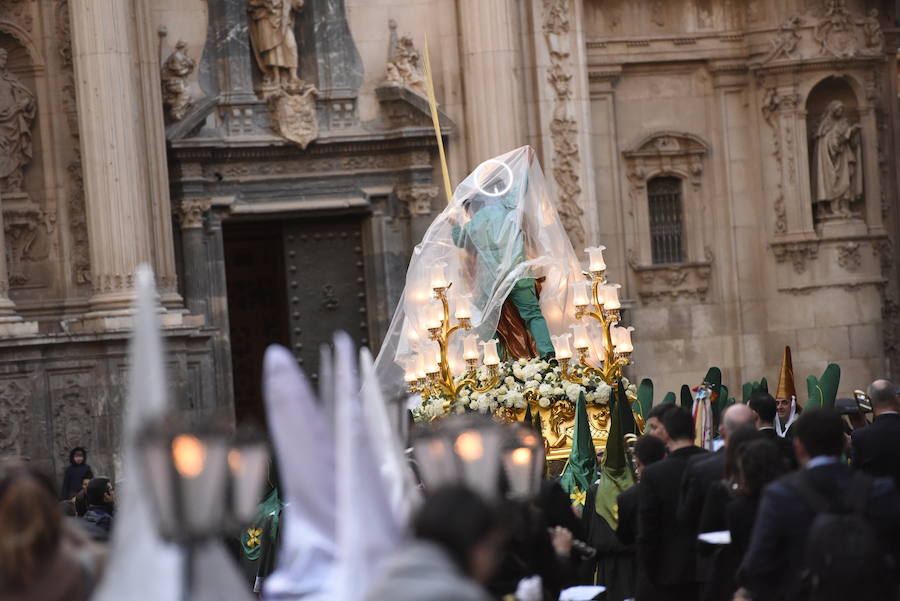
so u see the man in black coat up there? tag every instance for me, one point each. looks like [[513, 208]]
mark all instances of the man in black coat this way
[[666, 545], [772, 567], [764, 407], [876, 448]]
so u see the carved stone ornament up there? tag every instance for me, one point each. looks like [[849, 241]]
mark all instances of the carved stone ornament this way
[[835, 32], [873, 36], [666, 151], [72, 411], [293, 115], [849, 256], [17, 111], [18, 12], [798, 253], [190, 212], [404, 68], [784, 44], [15, 397], [175, 73], [687, 281], [418, 199], [20, 229]]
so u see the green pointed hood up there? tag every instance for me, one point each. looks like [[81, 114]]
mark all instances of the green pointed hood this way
[[581, 467], [615, 472], [645, 397]]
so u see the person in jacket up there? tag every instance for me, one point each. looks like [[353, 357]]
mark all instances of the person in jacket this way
[[76, 474], [876, 447], [458, 538], [100, 508]]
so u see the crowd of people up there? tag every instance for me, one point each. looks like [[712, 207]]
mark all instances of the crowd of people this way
[[810, 514]]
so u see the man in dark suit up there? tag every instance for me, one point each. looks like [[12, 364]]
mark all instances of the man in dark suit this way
[[665, 545], [764, 407], [772, 567], [876, 448]]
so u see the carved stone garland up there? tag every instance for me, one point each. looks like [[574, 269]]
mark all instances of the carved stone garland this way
[[563, 127]]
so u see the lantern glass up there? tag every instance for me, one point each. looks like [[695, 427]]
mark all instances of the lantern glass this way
[[523, 462], [202, 470], [478, 449], [157, 465], [436, 460], [248, 464]]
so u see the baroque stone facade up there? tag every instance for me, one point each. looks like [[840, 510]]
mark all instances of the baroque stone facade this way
[[738, 159]]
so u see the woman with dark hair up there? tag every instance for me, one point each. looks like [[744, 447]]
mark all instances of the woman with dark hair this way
[[759, 462], [457, 543], [76, 474], [34, 563]]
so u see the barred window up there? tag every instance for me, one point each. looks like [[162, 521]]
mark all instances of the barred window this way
[[666, 222]]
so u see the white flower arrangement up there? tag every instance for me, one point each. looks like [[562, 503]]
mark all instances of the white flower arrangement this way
[[515, 379]]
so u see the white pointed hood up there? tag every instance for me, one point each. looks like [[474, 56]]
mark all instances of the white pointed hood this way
[[304, 449], [141, 565]]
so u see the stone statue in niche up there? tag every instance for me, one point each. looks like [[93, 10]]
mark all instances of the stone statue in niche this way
[[17, 111], [273, 41], [838, 160], [175, 72], [403, 66]]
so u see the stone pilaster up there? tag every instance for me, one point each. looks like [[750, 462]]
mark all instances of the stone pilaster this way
[[11, 324], [119, 177], [495, 120]]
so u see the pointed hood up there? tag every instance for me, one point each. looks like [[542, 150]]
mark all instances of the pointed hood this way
[[141, 565], [687, 399], [645, 397], [304, 448], [368, 531], [581, 467], [823, 391], [615, 471], [786, 389]]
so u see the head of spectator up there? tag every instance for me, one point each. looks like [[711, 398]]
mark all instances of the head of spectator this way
[[818, 433], [648, 449], [759, 461], [735, 417], [679, 427], [99, 493], [654, 421], [466, 527], [738, 439], [883, 396], [763, 406]]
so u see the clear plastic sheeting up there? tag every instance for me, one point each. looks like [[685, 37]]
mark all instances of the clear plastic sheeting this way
[[501, 227]]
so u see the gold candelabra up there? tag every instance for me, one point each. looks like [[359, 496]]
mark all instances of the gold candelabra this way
[[602, 304], [436, 377]]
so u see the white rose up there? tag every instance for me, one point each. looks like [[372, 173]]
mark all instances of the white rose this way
[[544, 402], [545, 389], [531, 384], [559, 391], [509, 380]]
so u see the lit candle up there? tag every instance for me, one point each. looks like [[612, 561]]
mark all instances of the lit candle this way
[[582, 340], [434, 315], [432, 358], [521, 456], [189, 455], [470, 347], [561, 346], [469, 446], [490, 352], [611, 297], [420, 367], [580, 289], [463, 306], [438, 277], [596, 258], [410, 368]]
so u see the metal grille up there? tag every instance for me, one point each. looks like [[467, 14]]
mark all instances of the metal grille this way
[[666, 225]]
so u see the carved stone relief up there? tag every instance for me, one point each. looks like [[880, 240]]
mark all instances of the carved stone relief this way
[[849, 256], [687, 281], [20, 228], [19, 12], [784, 44], [293, 115], [72, 412], [175, 73], [798, 253], [18, 108], [566, 164], [15, 398], [190, 212], [777, 109], [418, 198], [403, 67], [834, 32]]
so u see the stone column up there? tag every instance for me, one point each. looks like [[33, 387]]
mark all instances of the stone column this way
[[494, 88], [196, 276], [117, 187]]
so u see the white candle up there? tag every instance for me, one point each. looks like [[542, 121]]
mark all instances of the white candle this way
[[470, 347], [438, 277], [561, 346], [463, 306], [490, 352], [410, 368], [596, 258], [581, 292], [582, 340], [611, 297]]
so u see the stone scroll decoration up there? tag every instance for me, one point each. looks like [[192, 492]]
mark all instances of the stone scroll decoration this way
[[292, 101], [566, 166]]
